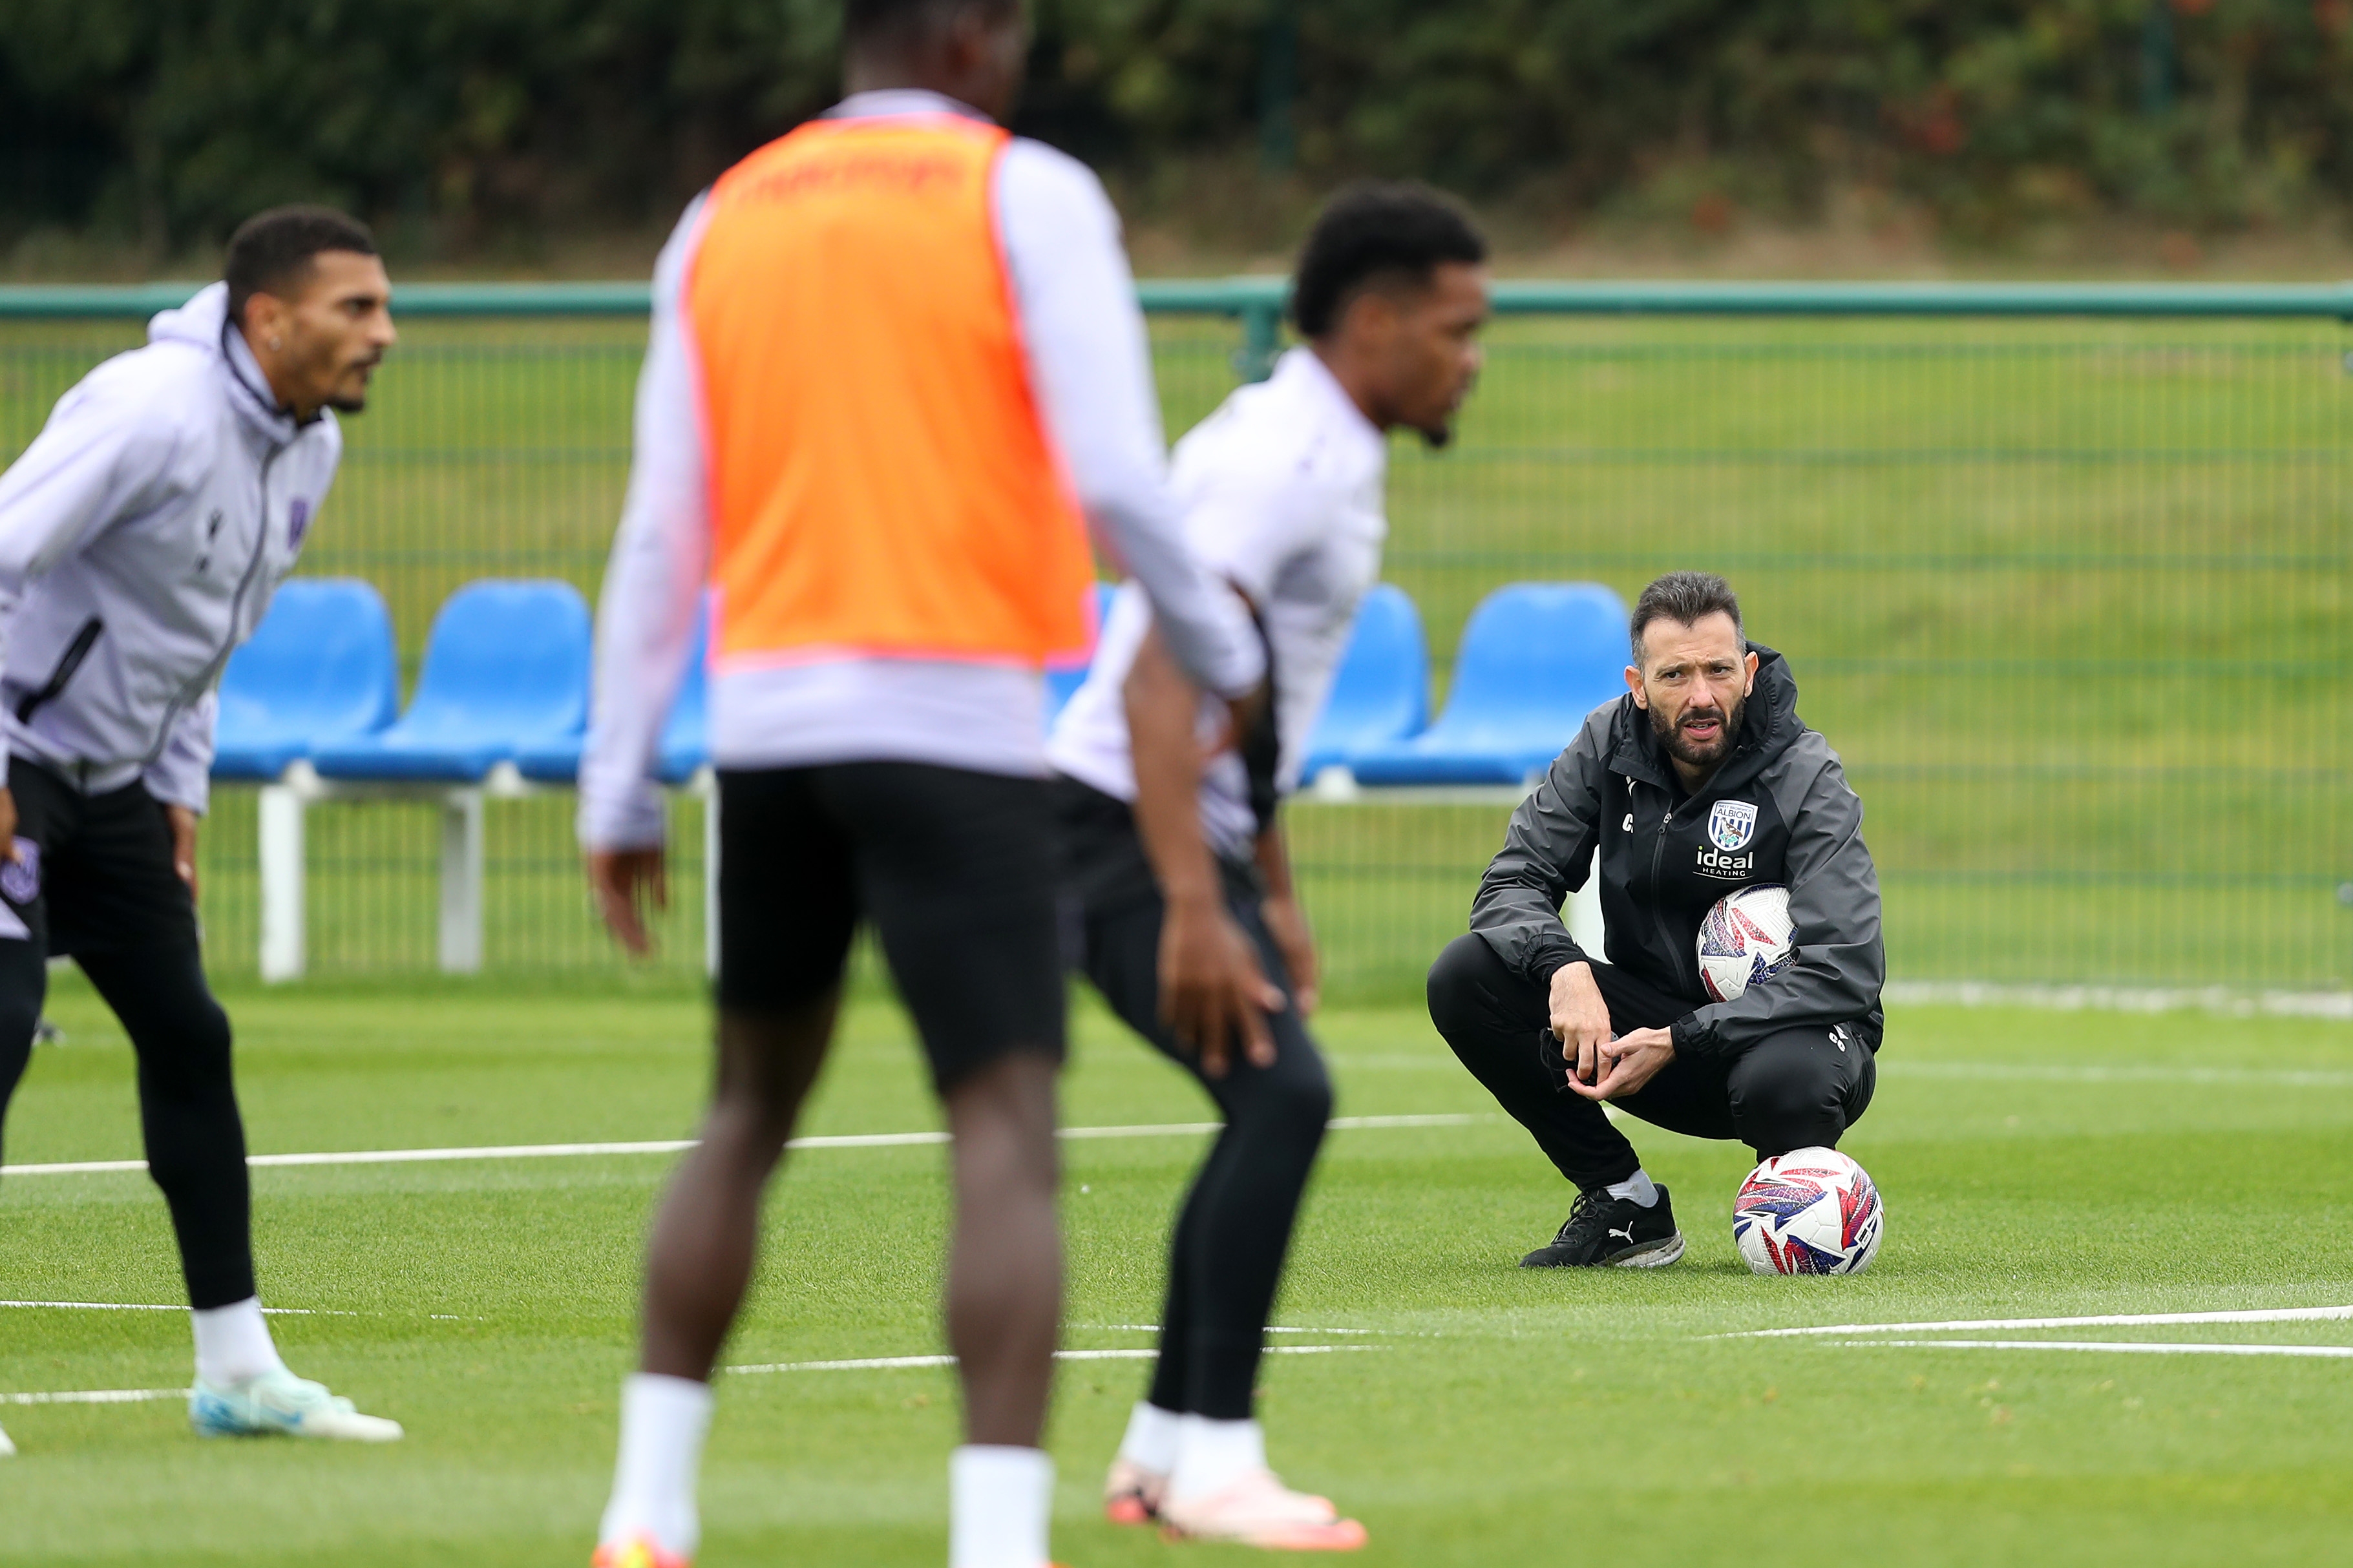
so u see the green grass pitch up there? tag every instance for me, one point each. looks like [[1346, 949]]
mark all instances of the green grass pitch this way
[[2035, 1164]]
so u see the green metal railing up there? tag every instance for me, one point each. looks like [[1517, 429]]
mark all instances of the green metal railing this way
[[2065, 572]]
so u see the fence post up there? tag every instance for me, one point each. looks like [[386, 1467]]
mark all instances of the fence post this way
[[282, 855], [1261, 339], [462, 882]]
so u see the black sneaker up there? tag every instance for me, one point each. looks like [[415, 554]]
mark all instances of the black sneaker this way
[[1603, 1232]]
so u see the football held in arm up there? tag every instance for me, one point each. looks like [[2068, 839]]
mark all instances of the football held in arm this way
[[1738, 996]]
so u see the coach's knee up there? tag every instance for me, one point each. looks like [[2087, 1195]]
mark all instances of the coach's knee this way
[[1787, 1095], [1462, 985]]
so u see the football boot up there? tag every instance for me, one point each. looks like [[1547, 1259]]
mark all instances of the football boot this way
[[1603, 1232]]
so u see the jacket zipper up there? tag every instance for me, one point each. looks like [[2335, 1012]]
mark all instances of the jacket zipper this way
[[1657, 918], [189, 692], [67, 662]]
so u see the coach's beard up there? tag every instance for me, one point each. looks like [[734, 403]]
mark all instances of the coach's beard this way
[[1695, 753]]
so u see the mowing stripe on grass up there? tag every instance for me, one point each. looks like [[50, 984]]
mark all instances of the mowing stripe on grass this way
[[2130, 1347], [2036, 1072], [2110, 1319], [895, 1363], [679, 1145]]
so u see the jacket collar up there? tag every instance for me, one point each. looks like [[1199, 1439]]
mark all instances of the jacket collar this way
[[204, 325], [1768, 725]]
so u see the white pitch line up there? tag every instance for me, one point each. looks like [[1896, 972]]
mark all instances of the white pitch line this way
[[143, 1307], [2105, 1320], [679, 1145], [2130, 1347], [95, 1396], [893, 1363]]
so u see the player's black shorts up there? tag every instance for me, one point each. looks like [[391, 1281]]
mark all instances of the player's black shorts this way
[[93, 872], [956, 870]]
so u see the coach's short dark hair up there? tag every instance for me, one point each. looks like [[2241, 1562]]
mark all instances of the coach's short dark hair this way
[[1685, 598], [273, 252], [1375, 232], [868, 22]]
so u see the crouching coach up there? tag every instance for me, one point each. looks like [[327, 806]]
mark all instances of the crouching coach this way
[[1700, 781]]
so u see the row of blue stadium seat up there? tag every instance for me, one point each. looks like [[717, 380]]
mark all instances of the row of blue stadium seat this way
[[506, 679]]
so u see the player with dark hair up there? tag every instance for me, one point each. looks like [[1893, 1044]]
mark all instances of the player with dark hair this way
[[1193, 931], [142, 535], [896, 355], [1700, 781]]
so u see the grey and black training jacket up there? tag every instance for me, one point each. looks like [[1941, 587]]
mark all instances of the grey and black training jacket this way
[[1778, 810]]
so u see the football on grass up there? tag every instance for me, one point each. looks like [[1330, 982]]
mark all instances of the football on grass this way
[[1745, 940], [1811, 1212]]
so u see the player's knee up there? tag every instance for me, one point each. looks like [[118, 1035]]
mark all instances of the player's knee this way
[[1299, 1100]]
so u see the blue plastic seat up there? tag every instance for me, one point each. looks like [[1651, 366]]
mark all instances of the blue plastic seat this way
[[320, 669], [1536, 659], [1381, 693], [1063, 679], [506, 668], [685, 738]]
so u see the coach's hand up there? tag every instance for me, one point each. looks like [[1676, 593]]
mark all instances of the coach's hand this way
[[1580, 1020], [183, 843], [622, 881], [1629, 1062], [1211, 987]]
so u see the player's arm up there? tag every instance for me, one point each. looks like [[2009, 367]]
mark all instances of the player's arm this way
[[181, 778], [1286, 917], [1211, 987], [1839, 962], [644, 618], [1092, 365], [1548, 851], [106, 451]]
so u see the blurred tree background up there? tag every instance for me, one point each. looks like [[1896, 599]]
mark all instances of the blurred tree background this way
[[458, 125]]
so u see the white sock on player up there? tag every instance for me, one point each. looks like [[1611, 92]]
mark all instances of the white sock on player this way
[[663, 1422], [233, 1344], [1639, 1187], [1213, 1455], [1152, 1437], [999, 1498]]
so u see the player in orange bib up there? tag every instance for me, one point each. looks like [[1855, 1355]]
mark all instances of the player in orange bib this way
[[896, 370]]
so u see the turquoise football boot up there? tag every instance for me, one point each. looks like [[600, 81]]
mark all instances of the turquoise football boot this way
[[282, 1404]]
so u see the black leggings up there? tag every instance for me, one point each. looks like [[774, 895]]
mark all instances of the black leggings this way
[[187, 1104], [1797, 1089], [1225, 1259]]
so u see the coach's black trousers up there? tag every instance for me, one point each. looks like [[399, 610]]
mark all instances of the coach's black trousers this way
[[1226, 1256], [97, 882], [1797, 1089]]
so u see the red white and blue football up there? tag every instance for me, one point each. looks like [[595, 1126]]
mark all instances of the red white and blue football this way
[[1745, 940], [1811, 1212]]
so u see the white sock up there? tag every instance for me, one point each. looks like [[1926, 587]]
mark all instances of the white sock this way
[[233, 1344], [1213, 1455], [1151, 1440], [1638, 1187], [663, 1421], [998, 1501]]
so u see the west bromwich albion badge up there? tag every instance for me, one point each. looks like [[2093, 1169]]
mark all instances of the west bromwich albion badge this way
[[1732, 825]]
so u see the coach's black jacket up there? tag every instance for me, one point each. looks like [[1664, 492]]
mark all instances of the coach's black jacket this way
[[1778, 810]]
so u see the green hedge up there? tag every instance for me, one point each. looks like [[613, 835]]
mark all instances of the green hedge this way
[[457, 123]]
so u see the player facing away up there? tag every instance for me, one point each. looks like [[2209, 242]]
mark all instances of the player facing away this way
[[142, 535], [1174, 847], [896, 355], [1700, 781]]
